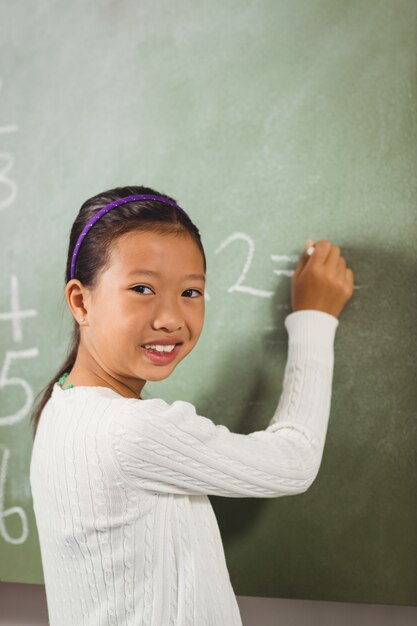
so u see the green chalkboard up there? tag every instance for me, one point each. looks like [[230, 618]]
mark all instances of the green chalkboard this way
[[270, 122]]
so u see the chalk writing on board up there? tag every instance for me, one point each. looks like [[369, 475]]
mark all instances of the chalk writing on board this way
[[15, 315], [14, 510], [5, 380], [283, 257], [247, 289], [6, 163], [8, 194], [276, 258], [237, 286]]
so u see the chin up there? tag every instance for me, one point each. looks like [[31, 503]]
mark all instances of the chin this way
[[159, 373]]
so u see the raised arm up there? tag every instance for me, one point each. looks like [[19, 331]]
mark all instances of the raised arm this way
[[164, 448], [170, 449]]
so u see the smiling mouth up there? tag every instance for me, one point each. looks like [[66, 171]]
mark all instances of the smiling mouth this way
[[161, 357], [161, 348]]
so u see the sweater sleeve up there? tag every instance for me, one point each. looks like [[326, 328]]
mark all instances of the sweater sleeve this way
[[169, 448]]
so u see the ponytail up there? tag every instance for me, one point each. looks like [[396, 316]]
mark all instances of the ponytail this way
[[67, 365]]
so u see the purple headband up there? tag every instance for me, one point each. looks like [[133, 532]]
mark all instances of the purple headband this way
[[107, 208]]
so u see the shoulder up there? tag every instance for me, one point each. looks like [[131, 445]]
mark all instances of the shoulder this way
[[153, 408], [150, 417]]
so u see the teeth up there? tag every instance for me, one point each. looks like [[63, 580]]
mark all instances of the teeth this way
[[160, 348]]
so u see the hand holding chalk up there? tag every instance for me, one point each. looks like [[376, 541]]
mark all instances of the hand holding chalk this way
[[310, 248], [321, 280]]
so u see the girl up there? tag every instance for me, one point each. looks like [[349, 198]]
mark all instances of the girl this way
[[120, 483]]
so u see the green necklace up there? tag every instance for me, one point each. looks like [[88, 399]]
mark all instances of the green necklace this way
[[64, 377], [62, 380]]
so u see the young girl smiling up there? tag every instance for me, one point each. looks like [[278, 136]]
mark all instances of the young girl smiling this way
[[120, 483]]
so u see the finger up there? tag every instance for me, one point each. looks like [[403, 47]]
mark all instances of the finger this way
[[341, 265], [321, 252], [304, 258], [350, 279], [333, 257]]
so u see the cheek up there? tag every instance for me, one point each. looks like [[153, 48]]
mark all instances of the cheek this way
[[198, 321], [125, 328]]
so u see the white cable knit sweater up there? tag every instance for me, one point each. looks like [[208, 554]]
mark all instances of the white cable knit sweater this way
[[127, 533]]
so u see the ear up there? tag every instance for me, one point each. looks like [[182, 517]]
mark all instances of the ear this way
[[77, 299]]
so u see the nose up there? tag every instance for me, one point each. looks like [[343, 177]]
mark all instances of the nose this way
[[168, 316]]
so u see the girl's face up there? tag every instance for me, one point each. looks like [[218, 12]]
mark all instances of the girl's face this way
[[151, 294]]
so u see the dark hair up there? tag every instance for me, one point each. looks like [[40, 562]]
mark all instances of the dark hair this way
[[94, 254]]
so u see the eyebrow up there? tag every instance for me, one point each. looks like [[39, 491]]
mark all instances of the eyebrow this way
[[152, 273]]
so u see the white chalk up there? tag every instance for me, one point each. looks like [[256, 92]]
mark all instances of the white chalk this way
[[310, 250]]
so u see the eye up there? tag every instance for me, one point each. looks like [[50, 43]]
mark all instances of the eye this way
[[141, 287], [199, 293]]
